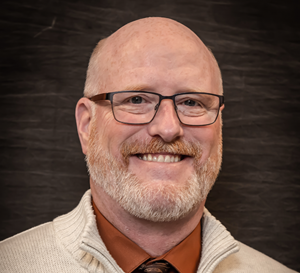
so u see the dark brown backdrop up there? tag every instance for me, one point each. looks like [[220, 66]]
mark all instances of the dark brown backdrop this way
[[45, 47]]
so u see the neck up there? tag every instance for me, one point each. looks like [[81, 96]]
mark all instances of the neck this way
[[156, 238]]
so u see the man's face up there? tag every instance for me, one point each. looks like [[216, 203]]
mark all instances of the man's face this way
[[158, 191]]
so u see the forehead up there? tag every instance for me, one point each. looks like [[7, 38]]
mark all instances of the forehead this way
[[163, 55]]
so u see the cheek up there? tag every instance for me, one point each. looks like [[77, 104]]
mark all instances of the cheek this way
[[104, 122], [208, 137], [216, 138], [105, 127], [113, 134]]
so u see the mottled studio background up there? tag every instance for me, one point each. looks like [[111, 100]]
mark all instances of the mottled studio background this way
[[45, 47]]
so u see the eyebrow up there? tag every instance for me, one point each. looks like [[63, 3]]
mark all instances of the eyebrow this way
[[144, 87], [195, 90], [141, 87]]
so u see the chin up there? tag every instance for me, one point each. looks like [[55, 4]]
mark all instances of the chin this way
[[157, 202]]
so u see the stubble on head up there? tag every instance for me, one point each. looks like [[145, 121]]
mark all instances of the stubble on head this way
[[109, 53]]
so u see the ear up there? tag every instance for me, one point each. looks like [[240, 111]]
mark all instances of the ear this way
[[83, 114], [222, 107]]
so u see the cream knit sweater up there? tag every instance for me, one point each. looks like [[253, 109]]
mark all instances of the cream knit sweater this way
[[71, 243]]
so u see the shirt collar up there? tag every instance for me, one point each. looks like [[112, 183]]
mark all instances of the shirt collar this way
[[121, 248]]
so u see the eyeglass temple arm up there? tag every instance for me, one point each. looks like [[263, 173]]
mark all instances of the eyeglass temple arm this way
[[103, 96], [222, 100]]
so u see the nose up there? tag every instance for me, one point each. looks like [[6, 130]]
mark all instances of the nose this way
[[166, 123]]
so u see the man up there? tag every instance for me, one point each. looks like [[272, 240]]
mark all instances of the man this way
[[150, 126]]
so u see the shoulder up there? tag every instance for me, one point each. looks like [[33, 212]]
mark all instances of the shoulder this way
[[32, 239], [21, 250], [35, 250], [248, 260]]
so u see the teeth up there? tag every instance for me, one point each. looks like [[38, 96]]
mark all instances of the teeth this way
[[160, 158]]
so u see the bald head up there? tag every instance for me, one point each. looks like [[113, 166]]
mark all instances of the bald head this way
[[141, 43]]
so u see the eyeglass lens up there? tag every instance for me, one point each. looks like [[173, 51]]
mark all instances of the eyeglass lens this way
[[192, 109]]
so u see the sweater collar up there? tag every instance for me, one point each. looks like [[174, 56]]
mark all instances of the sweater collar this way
[[78, 233], [217, 243]]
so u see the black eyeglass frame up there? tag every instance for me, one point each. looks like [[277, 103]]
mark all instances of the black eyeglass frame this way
[[109, 96]]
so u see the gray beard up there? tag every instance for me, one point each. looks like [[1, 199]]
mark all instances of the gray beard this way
[[158, 202]]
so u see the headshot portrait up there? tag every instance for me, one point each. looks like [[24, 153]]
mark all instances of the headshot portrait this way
[[146, 136]]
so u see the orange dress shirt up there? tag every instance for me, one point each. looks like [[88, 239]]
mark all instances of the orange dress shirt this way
[[184, 257]]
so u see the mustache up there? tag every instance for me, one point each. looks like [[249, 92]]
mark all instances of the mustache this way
[[157, 145]]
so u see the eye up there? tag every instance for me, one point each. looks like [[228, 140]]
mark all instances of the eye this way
[[190, 103], [136, 100]]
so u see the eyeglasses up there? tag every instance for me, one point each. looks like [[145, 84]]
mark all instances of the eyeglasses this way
[[140, 107]]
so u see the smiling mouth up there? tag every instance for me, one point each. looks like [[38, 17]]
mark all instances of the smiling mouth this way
[[161, 158]]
